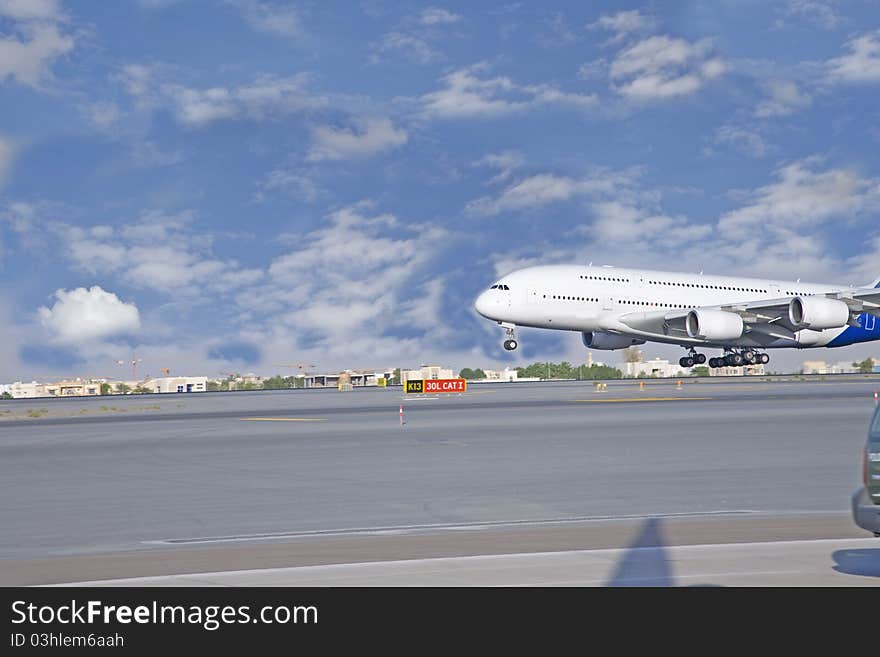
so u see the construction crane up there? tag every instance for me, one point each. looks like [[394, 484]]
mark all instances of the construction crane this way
[[134, 361]]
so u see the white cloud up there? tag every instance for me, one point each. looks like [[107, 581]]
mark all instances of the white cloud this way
[[296, 184], [804, 196], [623, 23], [373, 136], [862, 64], [27, 10], [411, 46], [662, 67], [28, 61], [277, 19], [436, 16], [85, 315], [619, 222], [159, 252], [7, 153], [506, 162], [466, 95], [546, 188], [821, 13], [266, 97], [784, 98], [743, 140]]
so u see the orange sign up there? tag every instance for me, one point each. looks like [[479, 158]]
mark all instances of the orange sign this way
[[445, 385]]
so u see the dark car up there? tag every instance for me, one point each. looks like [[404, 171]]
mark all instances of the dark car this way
[[866, 500]]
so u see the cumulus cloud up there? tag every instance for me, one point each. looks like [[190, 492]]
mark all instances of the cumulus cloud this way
[[547, 188], [267, 97], [28, 10], [467, 95], [662, 67], [862, 64], [272, 18], [803, 196], [623, 23], [742, 139], [437, 16], [28, 59], [819, 12], [294, 183], [505, 162], [157, 251], [86, 315], [619, 222], [412, 46], [784, 98], [373, 135]]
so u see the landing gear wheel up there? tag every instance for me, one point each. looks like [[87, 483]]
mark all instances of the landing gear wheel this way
[[765, 358], [749, 357], [686, 361], [510, 345], [700, 359], [716, 363]]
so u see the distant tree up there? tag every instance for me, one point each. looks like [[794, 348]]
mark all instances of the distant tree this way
[[866, 366], [632, 355], [106, 388], [467, 373], [700, 370], [479, 373], [123, 388], [5, 395], [395, 379], [213, 386], [140, 390]]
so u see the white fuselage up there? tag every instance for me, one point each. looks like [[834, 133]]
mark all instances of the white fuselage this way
[[586, 298]]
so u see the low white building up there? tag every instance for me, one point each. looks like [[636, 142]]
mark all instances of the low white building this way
[[655, 368], [507, 374], [30, 390], [821, 367], [745, 370], [425, 373], [176, 384]]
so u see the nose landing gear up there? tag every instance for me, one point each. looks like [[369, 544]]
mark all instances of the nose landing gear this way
[[510, 343]]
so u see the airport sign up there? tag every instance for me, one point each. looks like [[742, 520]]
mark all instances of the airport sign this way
[[436, 385]]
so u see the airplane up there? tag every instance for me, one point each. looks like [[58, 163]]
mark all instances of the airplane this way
[[617, 308]]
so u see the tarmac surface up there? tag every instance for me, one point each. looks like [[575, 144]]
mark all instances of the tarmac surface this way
[[264, 486]]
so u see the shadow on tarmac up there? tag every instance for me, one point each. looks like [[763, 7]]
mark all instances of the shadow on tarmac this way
[[646, 561], [857, 562]]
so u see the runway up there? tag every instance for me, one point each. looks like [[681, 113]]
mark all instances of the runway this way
[[126, 487]]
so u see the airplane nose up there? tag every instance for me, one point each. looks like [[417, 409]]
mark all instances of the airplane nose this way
[[482, 304]]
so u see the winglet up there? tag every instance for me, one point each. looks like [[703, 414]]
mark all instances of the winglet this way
[[876, 283]]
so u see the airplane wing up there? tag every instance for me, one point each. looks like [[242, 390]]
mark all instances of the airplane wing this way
[[766, 316]]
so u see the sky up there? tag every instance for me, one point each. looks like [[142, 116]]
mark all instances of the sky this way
[[239, 185]]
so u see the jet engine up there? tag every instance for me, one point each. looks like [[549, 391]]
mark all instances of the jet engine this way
[[817, 313], [608, 341], [714, 325]]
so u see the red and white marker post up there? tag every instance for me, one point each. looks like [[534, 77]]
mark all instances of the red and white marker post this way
[[401, 416]]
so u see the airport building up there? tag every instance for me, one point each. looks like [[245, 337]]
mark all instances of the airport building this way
[[355, 378], [507, 374], [176, 384], [745, 370], [654, 368], [32, 390], [821, 367], [426, 372]]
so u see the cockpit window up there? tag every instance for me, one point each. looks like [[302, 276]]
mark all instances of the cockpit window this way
[[500, 287], [494, 287]]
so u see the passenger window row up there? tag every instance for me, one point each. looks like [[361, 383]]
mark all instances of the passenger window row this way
[[709, 287], [653, 304], [560, 297], [605, 278]]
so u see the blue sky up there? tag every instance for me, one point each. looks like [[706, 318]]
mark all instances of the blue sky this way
[[231, 185]]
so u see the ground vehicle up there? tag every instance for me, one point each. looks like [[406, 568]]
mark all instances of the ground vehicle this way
[[866, 500]]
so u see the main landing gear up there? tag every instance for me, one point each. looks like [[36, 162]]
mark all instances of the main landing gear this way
[[510, 343], [733, 358], [693, 359]]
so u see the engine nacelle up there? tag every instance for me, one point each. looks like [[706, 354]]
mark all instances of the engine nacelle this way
[[817, 313], [608, 341], [714, 325]]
